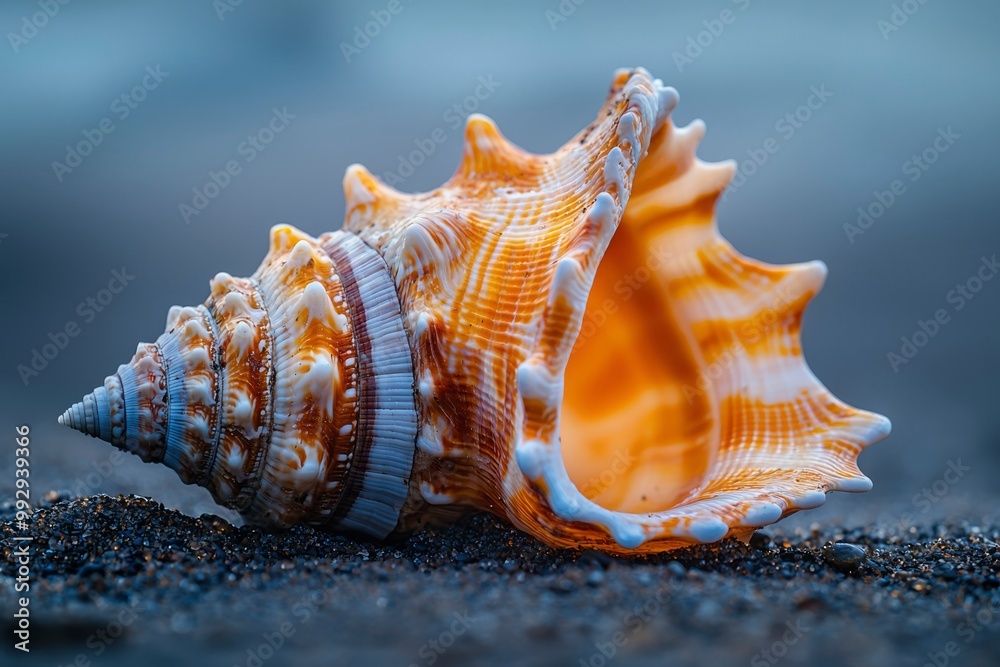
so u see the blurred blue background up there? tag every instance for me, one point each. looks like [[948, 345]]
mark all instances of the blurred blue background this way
[[226, 67]]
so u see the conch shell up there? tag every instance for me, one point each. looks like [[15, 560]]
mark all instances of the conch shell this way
[[563, 340]]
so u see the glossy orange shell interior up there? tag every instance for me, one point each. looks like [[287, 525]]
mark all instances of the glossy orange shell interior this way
[[595, 362]]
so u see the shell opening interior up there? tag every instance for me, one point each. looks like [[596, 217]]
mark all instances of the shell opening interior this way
[[637, 436]]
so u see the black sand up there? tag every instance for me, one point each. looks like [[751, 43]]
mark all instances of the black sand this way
[[123, 581]]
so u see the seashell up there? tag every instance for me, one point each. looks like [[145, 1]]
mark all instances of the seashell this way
[[563, 340]]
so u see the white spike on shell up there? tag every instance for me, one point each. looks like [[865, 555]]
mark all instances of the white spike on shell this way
[[564, 340]]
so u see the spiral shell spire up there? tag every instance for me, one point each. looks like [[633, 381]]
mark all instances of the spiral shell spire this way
[[93, 414], [289, 395]]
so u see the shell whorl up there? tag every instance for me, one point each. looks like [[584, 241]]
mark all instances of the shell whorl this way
[[564, 340], [289, 395]]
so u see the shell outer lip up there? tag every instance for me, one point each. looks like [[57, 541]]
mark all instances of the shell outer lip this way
[[539, 378]]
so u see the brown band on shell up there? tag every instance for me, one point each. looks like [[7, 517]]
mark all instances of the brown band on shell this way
[[314, 392], [377, 483], [366, 386]]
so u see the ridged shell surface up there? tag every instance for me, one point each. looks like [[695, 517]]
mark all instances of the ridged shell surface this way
[[563, 340]]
